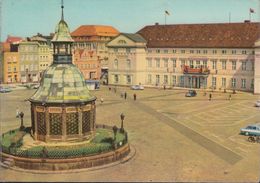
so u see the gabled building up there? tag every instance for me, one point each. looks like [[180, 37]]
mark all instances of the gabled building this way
[[127, 56], [10, 60], [208, 56], [93, 39]]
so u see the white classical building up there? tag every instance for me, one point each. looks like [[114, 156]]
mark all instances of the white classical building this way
[[216, 56]]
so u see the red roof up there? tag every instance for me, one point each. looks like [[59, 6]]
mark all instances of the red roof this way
[[13, 39], [95, 30], [219, 35]]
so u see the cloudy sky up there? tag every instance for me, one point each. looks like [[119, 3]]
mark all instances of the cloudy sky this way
[[28, 17]]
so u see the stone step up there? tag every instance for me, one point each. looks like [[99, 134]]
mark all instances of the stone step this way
[[9, 162]]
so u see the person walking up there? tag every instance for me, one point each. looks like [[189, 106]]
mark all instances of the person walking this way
[[125, 95], [229, 97], [134, 96], [210, 96], [17, 112]]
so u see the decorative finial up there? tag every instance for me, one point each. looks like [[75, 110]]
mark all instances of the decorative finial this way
[[62, 16]]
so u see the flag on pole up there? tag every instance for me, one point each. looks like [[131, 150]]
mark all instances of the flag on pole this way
[[252, 10], [166, 12]]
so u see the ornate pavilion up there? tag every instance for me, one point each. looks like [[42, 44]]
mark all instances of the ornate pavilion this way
[[62, 109]]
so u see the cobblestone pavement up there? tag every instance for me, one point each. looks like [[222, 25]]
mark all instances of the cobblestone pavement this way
[[176, 138]]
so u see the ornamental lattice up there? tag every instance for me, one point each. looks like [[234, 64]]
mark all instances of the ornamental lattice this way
[[72, 123], [55, 124], [85, 121], [41, 128]]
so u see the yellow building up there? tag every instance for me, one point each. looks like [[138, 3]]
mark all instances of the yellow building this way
[[11, 67], [207, 56]]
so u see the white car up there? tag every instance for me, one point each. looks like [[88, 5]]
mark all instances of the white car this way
[[257, 104], [137, 87]]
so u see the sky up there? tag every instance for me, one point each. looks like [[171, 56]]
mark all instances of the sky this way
[[25, 18]]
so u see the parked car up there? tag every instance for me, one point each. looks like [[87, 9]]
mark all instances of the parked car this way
[[257, 104], [137, 87], [191, 93], [251, 130], [36, 86], [5, 90]]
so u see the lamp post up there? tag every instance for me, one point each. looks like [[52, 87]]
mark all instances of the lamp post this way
[[21, 116], [122, 116]]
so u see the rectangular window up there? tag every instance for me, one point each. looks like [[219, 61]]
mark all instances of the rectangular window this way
[[128, 64], [149, 78], [224, 64], [165, 79], [234, 52], [149, 62], [158, 51], [174, 80], [116, 64], [243, 83], [243, 65], [157, 79], [182, 63], [234, 65], [116, 78], [166, 63], [173, 63], [198, 51], [224, 52], [224, 81], [214, 80], [174, 51], [165, 51], [205, 51], [191, 64], [214, 64], [192, 51], [214, 52], [244, 52], [157, 63], [183, 51], [205, 65], [128, 79], [233, 82]]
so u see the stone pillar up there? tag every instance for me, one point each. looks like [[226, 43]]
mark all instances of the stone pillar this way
[[35, 123], [47, 122], [64, 125], [79, 111]]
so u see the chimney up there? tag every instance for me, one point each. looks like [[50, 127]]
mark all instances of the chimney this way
[[156, 23]]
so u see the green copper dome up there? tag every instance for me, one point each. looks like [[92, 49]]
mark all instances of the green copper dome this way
[[62, 33], [62, 83]]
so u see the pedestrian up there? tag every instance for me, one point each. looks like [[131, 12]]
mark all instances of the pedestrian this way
[[109, 88], [101, 100], [134, 96], [17, 112], [125, 95], [210, 96], [115, 90], [230, 97], [164, 87]]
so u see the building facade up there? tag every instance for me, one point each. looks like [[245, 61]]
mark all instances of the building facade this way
[[10, 60], [88, 63], [209, 56], [35, 57], [93, 39]]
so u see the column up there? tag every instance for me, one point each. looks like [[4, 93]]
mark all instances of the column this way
[[79, 110], [47, 122], [35, 123], [64, 125]]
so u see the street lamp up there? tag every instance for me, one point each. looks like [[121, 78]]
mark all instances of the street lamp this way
[[122, 116], [21, 116]]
